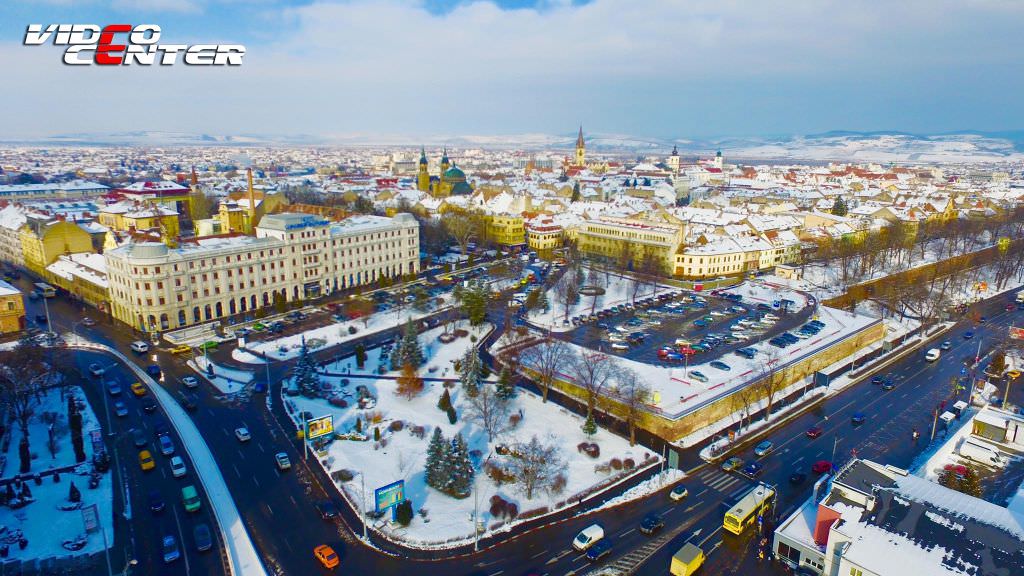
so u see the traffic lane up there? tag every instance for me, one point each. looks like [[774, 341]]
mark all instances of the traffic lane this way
[[149, 531]]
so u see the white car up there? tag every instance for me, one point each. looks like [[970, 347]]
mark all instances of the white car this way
[[190, 382], [96, 370], [932, 355], [178, 467], [139, 347], [242, 434], [283, 463]]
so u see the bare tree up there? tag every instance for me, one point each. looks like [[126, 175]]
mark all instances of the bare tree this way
[[567, 289], [634, 393], [741, 402], [24, 374], [490, 411], [536, 465], [592, 373], [771, 378], [463, 227], [546, 358]]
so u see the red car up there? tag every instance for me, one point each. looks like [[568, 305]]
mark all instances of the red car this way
[[815, 431], [821, 466], [1010, 307]]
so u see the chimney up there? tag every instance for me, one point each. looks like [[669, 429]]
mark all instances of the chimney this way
[[252, 203]]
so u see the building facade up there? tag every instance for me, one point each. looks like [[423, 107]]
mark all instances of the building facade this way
[[608, 237], [292, 257], [44, 239], [505, 229], [12, 309]]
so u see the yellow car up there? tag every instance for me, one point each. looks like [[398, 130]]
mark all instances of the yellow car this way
[[146, 461], [182, 349], [326, 555], [1014, 373], [138, 389]]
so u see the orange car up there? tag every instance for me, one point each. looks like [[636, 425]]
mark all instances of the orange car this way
[[326, 555], [138, 389]]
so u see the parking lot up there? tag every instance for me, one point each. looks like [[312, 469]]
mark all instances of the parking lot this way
[[657, 329]]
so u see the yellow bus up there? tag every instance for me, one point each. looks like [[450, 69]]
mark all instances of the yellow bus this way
[[746, 511]]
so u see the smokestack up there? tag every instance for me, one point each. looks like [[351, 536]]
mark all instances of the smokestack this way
[[252, 203]]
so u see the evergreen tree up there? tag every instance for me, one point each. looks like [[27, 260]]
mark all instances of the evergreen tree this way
[[575, 192], [542, 301], [969, 483], [75, 425], [359, 425], [590, 427], [24, 455], [74, 494], [460, 468], [839, 208], [452, 416], [403, 513], [409, 383], [437, 461], [304, 374], [411, 351], [360, 355], [445, 402], [376, 433], [506, 390], [469, 374]]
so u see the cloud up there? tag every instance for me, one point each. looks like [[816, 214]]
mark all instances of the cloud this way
[[667, 68]]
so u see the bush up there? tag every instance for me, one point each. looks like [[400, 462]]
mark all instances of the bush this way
[[396, 426], [514, 420], [533, 513], [589, 448], [511, 510], [460, 332], [342, 475], [498, 474], [616, 464], [628, 464], [403, 514], [498, 507], [558, 484]]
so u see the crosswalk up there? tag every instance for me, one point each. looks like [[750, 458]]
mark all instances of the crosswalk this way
[[715, 479]]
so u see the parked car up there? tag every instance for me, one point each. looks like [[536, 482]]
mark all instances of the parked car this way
[[720, 365], [203, 537], [698, 376], [764, 448], [190, 382], [166, 445], [599, 550], [651, 523], [815, 431], [170, 549], [96, 370], [181, 349], [679, 492], [731, 464]]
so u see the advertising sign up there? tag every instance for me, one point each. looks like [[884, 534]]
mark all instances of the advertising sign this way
[[91, 518], [389, 496], [1016, 333], [321, 426]]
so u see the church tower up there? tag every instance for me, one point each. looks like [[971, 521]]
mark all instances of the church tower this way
[[718, 160], [581, 150], [423, 177], [445, 164], [673, 161]]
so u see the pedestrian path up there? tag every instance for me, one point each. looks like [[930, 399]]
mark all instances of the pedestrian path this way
[[723, 482]]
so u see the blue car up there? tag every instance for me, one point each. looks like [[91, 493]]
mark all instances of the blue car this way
[[763, 448], [858, 418], [718, 364], [599, 550], [968, 335], [753, 469]]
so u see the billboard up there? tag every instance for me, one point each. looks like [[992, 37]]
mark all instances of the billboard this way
[[389, 496], [321, 426], [1016, 333]]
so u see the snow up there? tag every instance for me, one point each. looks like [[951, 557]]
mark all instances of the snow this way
[[226, 380], [41, 522], [402, 455], [643, 489], [241, 553], [288, 347]]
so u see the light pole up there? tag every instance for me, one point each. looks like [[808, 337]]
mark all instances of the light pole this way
[[835, 442], [1006, 395], [128, 567], [46, 309]]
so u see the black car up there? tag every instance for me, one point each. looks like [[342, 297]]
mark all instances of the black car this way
[[156, 502], [148, 405], [153, 370], [139, 437], [189, 401], [327, 509], [651, 523], [41, 318], [599, 550], [203, 537], [160, 428], [797, 478]]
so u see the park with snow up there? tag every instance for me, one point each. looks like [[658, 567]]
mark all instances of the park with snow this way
[[501, 449]]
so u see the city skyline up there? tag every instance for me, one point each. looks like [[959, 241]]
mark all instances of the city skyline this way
[[659, 70]]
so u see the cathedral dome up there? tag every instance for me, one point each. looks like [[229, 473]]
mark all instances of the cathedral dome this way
[[454, 174]]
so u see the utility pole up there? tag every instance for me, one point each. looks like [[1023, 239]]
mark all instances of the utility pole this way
[[362, 480], [935, 422], [1006, 395], [835, 442]]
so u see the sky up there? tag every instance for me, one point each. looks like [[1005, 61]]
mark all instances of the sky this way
[[673, 69]]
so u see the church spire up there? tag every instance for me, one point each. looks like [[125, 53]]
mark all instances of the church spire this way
[[579, 139], [581, 150]]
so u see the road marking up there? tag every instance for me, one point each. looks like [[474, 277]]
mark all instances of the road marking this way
[[698, 494], [579, 558], [630, 531], [798, 460], [240, 455], [269, 509], [257, 482], [557, 557], [182, 547], [260, 446], [497, 573], [541, 553], [237, 473], [709, 536]]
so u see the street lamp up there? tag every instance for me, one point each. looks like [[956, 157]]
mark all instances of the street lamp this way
[[476, 503], [128, 567]]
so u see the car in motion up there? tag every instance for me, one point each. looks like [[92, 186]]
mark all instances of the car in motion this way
[[138, 389], [753, 469], [96, 370], [764, 448], [731, 464], [679, 492], [599, 550], [156, 502], [178, 468], [814, 432], [327, 510], [858, 418], [283, 463], [146, 461], [797, 478], [170, 549], [327, 556], [650, 524], [821, 466], [203, 537], [242, 433], [120, 409], [190, 382], [947, 345]]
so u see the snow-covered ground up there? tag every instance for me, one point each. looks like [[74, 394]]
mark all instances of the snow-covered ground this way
[[226, 380], [401, 455], [645, 488], [618, 290], [288, 347], [45, 525]]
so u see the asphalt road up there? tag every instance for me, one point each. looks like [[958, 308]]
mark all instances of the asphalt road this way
[[278, 507]]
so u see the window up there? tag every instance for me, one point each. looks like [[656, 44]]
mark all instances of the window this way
[[855, 572]]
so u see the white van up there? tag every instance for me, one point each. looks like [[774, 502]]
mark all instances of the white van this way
[[981, 453], [588, 537], [139, 347], [932, 355]]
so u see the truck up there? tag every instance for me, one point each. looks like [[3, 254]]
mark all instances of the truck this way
[[686, 560], [981, 453]]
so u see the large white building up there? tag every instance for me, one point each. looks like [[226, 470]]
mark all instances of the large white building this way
[[154, 287]]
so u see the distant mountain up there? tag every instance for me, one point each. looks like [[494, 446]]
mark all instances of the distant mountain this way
[[835, 145]]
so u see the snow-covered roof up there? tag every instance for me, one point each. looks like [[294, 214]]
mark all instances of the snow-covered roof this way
[[8, 290]]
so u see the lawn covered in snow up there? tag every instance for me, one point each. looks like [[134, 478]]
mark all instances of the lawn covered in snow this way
[[401, 455], [42, 523]]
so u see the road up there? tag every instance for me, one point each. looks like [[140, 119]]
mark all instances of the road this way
[[285, 526]]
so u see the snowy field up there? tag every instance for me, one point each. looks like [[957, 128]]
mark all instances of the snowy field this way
[[288, 347], [42, 522], [401, 454], [618, 290]]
